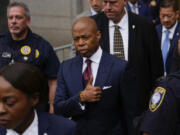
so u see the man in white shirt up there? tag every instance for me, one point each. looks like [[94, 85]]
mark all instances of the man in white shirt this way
[[141, 47]]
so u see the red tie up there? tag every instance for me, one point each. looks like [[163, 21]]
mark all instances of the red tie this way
[[87, 72]]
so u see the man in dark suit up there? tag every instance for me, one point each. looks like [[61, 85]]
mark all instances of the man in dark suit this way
[[98, 96], [169, 15], [139, 7], [140, 40]]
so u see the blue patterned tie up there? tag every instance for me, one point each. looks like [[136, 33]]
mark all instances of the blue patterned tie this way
[[165, 48]]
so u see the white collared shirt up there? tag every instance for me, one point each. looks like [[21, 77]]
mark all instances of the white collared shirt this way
[[124, 29], [171, 34], [93, 12], [95, 58], [31, 130], [134, 7]]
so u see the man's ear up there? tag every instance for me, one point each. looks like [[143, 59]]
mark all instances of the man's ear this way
[[98, 35], [28, 21]]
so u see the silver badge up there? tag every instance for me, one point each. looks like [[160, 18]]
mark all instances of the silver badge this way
[[6, 55]]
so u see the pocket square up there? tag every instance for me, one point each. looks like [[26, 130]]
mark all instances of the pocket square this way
[[106, 87]]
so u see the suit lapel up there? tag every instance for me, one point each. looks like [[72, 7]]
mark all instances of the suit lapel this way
[[77, 72], [132, 36], [159, 32], [103, 70]]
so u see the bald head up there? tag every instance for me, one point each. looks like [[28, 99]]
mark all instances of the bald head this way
[[85, 22], [85, 36]]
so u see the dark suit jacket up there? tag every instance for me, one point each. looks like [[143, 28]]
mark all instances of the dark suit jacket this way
[[173, 45], [52, 125], [144, 53], [113, 114], [143, 8]]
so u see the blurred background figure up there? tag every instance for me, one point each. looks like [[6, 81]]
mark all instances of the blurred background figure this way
[[168, 31], [21, 88], [154, 9], [96, 6], [139, 7]]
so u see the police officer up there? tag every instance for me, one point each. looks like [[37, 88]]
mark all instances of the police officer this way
[[163, 115], [21, 45]]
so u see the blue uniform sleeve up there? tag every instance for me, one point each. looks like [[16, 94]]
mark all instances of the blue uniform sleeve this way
[[161, 118], [52, 63], [64, 104]]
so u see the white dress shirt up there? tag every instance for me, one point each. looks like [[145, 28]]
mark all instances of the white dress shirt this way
[[171, 34], [134, 7], [124, 29], [95, 58], [31, 130], [93, 12]]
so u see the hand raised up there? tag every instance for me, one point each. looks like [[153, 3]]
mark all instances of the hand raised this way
[[91, 93]]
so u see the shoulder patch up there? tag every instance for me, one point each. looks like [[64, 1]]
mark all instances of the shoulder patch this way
[[157, 98], [37, 53]]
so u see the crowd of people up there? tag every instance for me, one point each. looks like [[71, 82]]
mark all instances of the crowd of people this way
[[124, 79]]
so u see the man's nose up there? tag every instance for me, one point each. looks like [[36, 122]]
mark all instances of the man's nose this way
[[107, 5], [81, 41], [2, 109], [94, 2]]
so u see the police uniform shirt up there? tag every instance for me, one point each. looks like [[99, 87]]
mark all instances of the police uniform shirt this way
[[162, 115], [31, 130], [33, 49]]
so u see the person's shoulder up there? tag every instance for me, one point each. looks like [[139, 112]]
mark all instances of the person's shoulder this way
[[61, 120], [172, 81], [3, 35], [159, 26], [100, 17], [59, 123], [117, 61], [139, 19], [72, 61], [39, 39]]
